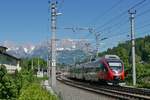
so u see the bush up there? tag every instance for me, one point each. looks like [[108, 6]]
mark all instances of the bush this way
[[8, 89], [36, 92]]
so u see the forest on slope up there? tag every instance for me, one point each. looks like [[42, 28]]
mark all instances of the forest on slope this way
[[142, 50]]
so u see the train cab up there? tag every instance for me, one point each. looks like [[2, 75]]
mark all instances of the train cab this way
[[111, 69]]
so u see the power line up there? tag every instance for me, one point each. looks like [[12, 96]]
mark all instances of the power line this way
[[122, 14], [139, 27], [120, 24], [137, 9], [127, 32], [113, 19], [113, 26], [107, 11], [116, 24], [115, 5], [136, 5]]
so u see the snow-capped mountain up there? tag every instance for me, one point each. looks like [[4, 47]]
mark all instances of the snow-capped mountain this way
[[18, 50], [66, 50]]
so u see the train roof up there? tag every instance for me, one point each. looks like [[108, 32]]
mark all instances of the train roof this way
[[111, 57], [108, 58], [97, 60]]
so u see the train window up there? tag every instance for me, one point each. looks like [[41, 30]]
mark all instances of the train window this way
[[102, 67], [90, 69], [97, 69], [116, 66]]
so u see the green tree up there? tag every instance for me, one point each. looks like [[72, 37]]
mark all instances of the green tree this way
[[27, 63], [8, 89]]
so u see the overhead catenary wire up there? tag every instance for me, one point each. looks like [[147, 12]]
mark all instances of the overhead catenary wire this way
[[117, 24], [145, 25], [114, 25], [121, 14], [120, 23], [105, 13], [138, 28], [136, 5], [125, 33]]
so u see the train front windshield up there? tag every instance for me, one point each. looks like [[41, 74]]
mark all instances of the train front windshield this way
[[115, 66]]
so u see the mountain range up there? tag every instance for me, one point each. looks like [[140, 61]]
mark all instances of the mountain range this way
[[66, 54]]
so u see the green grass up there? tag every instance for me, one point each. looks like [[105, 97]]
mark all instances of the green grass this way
[[36, 92]]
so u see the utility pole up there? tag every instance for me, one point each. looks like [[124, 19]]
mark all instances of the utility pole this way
[[132, 13], [87, 47], [32, 64], [38, 65], [53, 32], [74, 59], [87, 50], [97, 43], [49, 62]]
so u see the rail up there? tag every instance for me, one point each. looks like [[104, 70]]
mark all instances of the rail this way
[[126, 93]]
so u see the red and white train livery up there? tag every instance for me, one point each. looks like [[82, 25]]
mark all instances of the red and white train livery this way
[[108, 68]]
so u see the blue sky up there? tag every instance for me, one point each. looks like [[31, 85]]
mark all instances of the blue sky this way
[[25, 21]]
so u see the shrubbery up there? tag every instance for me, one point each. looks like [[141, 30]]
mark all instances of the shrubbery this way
[[35, 92], [30, 87], [8, 89], [22, 85]]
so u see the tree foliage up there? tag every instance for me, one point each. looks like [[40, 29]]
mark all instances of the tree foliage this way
[[8, 88], [27, 63], [22, 84]]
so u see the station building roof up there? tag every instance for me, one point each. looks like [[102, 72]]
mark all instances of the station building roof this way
[[3, 49], [3, 52]]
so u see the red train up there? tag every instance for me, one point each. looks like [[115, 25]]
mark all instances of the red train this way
[[108, 69]]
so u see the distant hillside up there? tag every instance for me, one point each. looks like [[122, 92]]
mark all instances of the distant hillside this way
[[142, 50], [70, 57]]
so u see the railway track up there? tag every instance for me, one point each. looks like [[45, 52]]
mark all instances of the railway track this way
[[125, 93]]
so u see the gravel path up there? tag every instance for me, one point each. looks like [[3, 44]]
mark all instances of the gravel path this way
[[70, 93]]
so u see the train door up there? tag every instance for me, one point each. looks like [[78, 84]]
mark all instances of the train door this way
[[101, 74], [103, 71], [83, 72]]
